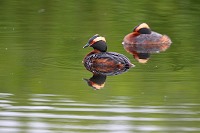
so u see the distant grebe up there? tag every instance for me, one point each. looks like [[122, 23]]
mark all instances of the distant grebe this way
[[142, 42]]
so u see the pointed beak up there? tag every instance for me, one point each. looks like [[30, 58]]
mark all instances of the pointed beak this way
[[86, 79], [86, 45], [132, 65]]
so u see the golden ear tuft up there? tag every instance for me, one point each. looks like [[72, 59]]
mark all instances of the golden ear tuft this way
[[142, 25], [100, 38]]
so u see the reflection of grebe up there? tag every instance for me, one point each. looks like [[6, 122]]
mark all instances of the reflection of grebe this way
[[142, 42], [105, 63], [96, 81]]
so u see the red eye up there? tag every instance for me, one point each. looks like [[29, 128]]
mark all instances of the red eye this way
[[92, 42]]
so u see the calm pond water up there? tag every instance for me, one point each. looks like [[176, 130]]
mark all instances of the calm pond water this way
[[41, 72]]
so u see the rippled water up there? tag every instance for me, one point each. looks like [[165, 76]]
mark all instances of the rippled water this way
[[61, 113], [41, 71]]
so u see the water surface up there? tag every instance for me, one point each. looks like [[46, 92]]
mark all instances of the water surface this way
[[41, 71]]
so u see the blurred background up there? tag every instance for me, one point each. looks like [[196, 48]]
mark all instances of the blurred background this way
[[41, 71]]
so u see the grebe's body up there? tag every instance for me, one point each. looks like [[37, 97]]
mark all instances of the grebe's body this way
[[146, 43], [106, 63]]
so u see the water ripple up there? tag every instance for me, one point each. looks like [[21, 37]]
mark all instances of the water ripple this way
[[48, 113], [91, 117]]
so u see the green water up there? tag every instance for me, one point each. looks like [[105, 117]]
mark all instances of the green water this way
[[41, 71]]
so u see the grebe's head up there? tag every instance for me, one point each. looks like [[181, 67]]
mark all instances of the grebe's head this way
[[142, 29], [97, 42]]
